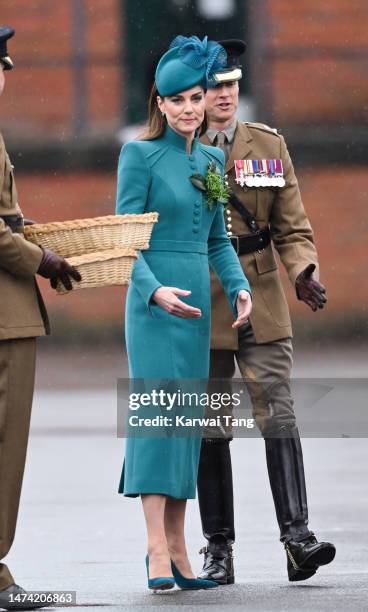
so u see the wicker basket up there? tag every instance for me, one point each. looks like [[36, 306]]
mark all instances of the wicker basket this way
[[81, 236], [102, 269]]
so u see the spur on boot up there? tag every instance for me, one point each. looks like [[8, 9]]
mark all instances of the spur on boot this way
[[159, 584], [306, 556], [191, 583]]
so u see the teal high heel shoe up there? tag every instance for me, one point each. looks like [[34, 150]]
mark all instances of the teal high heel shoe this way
[[191, 583], [159, 584]]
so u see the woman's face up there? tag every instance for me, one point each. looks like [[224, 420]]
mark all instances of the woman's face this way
[[184, 111]]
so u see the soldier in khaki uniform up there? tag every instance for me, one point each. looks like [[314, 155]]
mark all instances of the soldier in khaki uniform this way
[[22, 318], [259, 219]]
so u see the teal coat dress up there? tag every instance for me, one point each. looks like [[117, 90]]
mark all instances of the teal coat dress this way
[[154, 176]]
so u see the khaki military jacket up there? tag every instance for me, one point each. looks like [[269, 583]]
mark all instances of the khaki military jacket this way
[[280, 209], [22, 312]]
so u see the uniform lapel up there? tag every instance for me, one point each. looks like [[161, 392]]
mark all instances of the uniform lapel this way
[[241, 145], [205, 140]]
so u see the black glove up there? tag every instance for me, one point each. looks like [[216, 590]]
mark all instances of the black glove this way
[[56, 268], [310, 290]]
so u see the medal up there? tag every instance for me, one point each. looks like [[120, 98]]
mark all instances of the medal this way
[[279, 171], [259, 173], [256, 171], [241, 179], [239, 172]]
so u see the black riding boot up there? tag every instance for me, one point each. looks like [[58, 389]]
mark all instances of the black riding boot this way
[[215, 494], [286, 473]]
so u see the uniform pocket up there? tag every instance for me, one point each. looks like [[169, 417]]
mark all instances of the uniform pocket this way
[[265, 260]]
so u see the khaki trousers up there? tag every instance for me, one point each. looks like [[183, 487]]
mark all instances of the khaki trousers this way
[[266, 370], [17, 371]]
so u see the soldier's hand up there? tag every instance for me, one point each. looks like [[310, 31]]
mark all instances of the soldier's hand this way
[[57, 269], [309, 290], [244, 308]]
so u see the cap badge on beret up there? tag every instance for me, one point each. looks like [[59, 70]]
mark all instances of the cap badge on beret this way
[[233, 69]]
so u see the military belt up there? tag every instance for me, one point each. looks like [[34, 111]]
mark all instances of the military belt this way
[[248, 243], [14, 222]]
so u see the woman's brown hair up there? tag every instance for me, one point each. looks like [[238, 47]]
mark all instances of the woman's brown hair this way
[[156, 124]]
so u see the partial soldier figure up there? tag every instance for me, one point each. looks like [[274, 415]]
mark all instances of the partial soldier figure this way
[[23, 317], [265, 210]]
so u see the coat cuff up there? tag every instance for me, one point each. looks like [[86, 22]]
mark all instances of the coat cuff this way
[[149, 301], [233, 305], [146, 290]]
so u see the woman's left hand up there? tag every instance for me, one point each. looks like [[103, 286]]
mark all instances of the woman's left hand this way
[[244, 308]]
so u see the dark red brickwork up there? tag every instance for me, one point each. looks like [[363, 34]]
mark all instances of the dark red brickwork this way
[[314, 53], [40, 101], [318, 55]]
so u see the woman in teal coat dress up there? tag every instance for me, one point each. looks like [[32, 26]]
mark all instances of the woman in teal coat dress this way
[[167, 337]]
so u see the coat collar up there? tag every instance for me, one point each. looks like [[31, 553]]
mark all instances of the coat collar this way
[[179, 142], [241, 145]]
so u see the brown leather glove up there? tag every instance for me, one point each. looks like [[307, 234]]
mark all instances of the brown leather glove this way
[[56, 268], [309, 290]]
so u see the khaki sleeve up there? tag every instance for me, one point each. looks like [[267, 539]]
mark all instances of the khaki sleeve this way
[[291, 231], [17, 256]]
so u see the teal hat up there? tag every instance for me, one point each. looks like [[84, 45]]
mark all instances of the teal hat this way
[[188, 62]]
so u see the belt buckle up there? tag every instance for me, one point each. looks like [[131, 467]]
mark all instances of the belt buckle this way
[[237, 243]]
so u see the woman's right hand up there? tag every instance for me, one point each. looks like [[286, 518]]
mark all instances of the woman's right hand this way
[[166, 297]]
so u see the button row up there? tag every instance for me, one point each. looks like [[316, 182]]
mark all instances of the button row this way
[[196, 216], [228, 222]]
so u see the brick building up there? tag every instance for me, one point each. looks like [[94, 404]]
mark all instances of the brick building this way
[[68, 99]]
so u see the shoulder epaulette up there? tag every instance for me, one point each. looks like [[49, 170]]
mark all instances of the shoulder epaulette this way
[[263, 127]]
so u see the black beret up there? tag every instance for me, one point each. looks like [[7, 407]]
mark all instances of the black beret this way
[[234, 48]]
